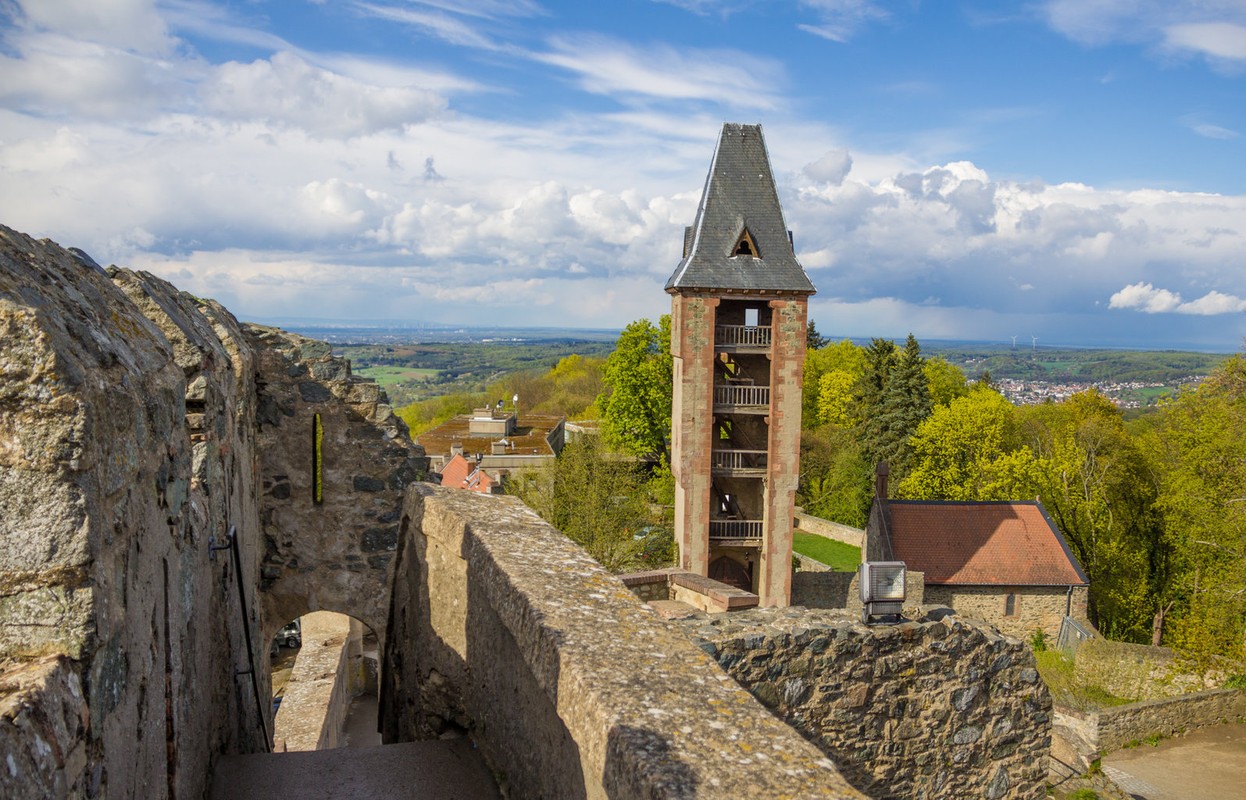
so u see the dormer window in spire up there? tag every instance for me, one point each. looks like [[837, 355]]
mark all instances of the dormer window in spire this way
[[745, 246]]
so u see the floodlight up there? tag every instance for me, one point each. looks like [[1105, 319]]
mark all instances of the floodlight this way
[[881, 586]]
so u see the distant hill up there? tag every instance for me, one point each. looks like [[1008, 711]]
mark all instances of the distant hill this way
[[1068, 365]]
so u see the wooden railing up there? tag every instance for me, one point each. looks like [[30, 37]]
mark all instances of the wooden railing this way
[[735, 528], [741, 395], [748, 336], [739, 459]]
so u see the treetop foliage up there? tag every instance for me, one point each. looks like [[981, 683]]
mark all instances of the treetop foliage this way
[[636, 402]]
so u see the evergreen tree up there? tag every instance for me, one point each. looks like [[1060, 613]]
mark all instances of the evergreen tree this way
[[905, 405], [815, 340]]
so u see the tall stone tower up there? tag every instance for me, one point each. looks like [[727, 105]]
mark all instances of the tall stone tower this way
[[738, 318]]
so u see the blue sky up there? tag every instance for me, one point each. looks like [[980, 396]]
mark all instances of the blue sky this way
[[1068, 169]]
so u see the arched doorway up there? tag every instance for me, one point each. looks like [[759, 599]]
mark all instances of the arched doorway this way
[[325, 678], [731, 572]]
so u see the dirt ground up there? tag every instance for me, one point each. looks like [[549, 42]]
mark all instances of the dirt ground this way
[[1206, 764]]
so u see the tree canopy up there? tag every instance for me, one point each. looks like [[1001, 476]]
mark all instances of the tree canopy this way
[[636, 403]]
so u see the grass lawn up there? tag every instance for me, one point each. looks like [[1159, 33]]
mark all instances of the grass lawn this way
[[837, 555]]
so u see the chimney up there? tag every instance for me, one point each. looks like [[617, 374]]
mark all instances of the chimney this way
[[456, 449], [880, 480]]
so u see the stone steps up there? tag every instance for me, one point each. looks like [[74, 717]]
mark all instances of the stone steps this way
[[446, 770]]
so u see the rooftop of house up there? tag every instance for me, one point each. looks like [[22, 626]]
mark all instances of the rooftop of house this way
[[531, 432], [460, 473], [740, 240], [982, 543]]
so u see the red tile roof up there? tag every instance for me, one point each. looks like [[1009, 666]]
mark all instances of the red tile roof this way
[[460, 473], [1001, 544]]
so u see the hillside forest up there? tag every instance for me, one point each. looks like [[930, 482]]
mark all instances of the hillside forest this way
[[1153, 506]]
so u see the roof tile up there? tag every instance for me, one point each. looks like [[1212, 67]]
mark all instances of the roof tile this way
[[982, 543]]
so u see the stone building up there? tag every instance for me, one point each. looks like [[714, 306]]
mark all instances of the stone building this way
[[1003, 562], [738, 334]]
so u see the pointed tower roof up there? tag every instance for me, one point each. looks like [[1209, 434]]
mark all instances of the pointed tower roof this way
[[740, 240]]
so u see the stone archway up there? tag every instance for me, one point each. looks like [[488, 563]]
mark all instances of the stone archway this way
[[334, 466]]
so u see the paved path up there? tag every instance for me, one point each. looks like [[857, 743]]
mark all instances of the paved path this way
[[1207, 764], [432, 770]]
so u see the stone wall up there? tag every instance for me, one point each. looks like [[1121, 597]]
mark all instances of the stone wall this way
[[318, 694], [335, 553], [569, 685], [1122, 724], [807, 523], [1137, 671], [1037, 607], [944, 708], [126, 447], [653, 584], [827, 589]]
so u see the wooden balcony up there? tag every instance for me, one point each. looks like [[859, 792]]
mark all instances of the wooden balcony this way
[[741, 532], [742, 338], [739, 463], [742, 399]]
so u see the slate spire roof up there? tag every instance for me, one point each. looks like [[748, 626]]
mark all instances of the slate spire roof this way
[[739, 214]]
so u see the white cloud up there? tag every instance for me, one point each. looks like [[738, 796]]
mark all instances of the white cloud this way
[[612, 67], [134, 25], [1145, 297], [831, 168], [839, 20], [287, 91], [439, 24], [1215, 29], [1214, 131], [1221, 40]]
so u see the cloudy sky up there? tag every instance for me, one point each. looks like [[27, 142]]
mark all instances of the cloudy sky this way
[[1073, 170]]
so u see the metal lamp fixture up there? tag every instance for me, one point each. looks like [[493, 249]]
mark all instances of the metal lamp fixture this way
[[881, 585]]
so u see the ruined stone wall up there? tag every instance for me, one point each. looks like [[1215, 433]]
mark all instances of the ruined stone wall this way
[[943, 708], [1037, 607], [125, 447], [569, 685], [334, 553]]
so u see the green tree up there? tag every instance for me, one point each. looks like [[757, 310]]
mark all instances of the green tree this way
[[905, 404], [835, 479], [1095, 483], [636, 404], [969, 450], [946, 380], [840, 369], [601, 503], [813, 339], [1202, 500]]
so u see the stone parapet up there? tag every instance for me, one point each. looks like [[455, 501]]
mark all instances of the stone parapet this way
[[807, 523], [317, 696], [708, 594], [568, 684], [940, 708], [1093, 733]]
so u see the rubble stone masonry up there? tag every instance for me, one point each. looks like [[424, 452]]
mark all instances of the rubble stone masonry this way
[[941, 708]]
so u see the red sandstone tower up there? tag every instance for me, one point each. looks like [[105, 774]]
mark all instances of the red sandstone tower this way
[[738, 317]]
